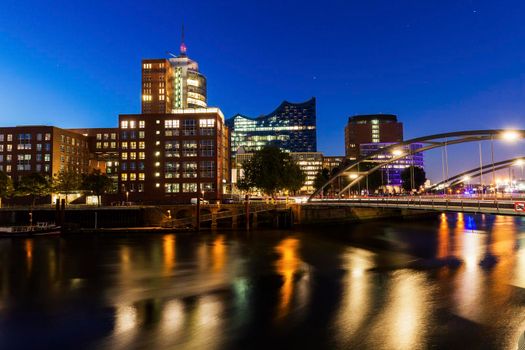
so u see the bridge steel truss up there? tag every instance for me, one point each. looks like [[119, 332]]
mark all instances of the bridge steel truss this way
[[476, 172], [428, 143]]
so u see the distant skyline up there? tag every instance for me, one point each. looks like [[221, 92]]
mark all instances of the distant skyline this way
[[438, 65]]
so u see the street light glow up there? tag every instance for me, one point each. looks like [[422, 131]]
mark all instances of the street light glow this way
[[519, 162], [397, 152], [353, 176], [510, 135], [466, 178]]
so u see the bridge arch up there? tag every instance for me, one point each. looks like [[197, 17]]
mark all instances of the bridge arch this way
[[428, 142], [476, 172]]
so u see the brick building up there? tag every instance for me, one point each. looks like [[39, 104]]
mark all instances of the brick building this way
[[169, 157], [42, 149], [371, 128]]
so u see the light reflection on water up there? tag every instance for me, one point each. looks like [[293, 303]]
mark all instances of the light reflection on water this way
[[214, 291]]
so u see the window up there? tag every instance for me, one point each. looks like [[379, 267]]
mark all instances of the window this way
[[171, 188], [124, 145], [189, 148], [9, 148], [99, 137], [124, 124], [47, 157], [133, 145], [172, 149], [188, 127], [142, 177], [142, 124], [142, 155], [113, 136], [10, 137], [133, 155], [124, 177], [132, 124], [189, 170], [171, 170], [47, 137], [132, 177], [124, 166], [189, 187], [124, 155], [142, 134], [99, 145], [207, 148], [2, 137], [207, 168], [142, 145], [207, 126], [208, 187]]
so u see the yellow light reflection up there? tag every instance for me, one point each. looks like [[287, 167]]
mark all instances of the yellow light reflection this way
[[29, 254], [356, 302], [168, 248], [443, 237], [125, 318], [218, 253], [404, 322], [286, 266]]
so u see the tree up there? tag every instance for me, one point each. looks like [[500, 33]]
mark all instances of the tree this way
[[6, 186], [34, 185], [67, 182], [413, 177], [271, 170], [293, 176], [321, 178], [97, 183]]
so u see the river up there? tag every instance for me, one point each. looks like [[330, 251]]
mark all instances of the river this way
[[453, 282]]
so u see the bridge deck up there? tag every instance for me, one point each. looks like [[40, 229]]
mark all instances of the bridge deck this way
[[488, 206]]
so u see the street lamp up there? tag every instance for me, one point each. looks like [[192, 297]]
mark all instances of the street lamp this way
[[510, 135], [397, 152], [353, 176]]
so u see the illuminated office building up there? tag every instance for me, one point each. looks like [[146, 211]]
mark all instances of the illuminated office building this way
[[173, 83], [392, 173], [291, 127], [173, 157]]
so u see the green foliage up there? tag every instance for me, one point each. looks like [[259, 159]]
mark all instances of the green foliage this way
[[271, 170], [67, 182], [6, 185], [97, 183], [413, 174], [321, 178], [34, 185]]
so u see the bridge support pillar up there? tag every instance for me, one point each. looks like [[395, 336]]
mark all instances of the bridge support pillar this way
[[214, 220]]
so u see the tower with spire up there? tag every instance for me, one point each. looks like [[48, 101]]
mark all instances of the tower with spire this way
[[173, 83]]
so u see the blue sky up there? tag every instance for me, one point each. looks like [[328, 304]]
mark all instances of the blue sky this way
[[439, 65]]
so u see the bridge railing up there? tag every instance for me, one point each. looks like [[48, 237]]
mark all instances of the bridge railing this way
[[487, 205]]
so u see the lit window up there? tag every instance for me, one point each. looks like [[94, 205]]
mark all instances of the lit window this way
[[124, 177], [132, 124], [132, 177], [124, 155], [142, 155], [141, 176], [142, 124], [124, 124]]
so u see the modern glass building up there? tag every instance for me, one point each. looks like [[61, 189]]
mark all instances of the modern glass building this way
[[291, 127], [392, 172]]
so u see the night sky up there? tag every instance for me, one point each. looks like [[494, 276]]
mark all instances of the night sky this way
[[439, 65]]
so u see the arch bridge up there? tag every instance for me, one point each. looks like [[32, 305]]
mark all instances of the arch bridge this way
[[356, 172]]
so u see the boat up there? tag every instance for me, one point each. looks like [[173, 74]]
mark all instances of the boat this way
[[40, 229]]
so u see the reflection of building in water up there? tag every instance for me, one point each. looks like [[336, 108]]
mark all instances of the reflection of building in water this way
[[29, 255], [287, 266]]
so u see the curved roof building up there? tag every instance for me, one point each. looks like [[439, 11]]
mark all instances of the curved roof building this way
[[291, 127]]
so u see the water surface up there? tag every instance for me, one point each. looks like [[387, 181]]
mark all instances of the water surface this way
[[369, 286]]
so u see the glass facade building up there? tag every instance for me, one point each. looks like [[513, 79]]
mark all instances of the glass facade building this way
[[392, 172], [291, 127]]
